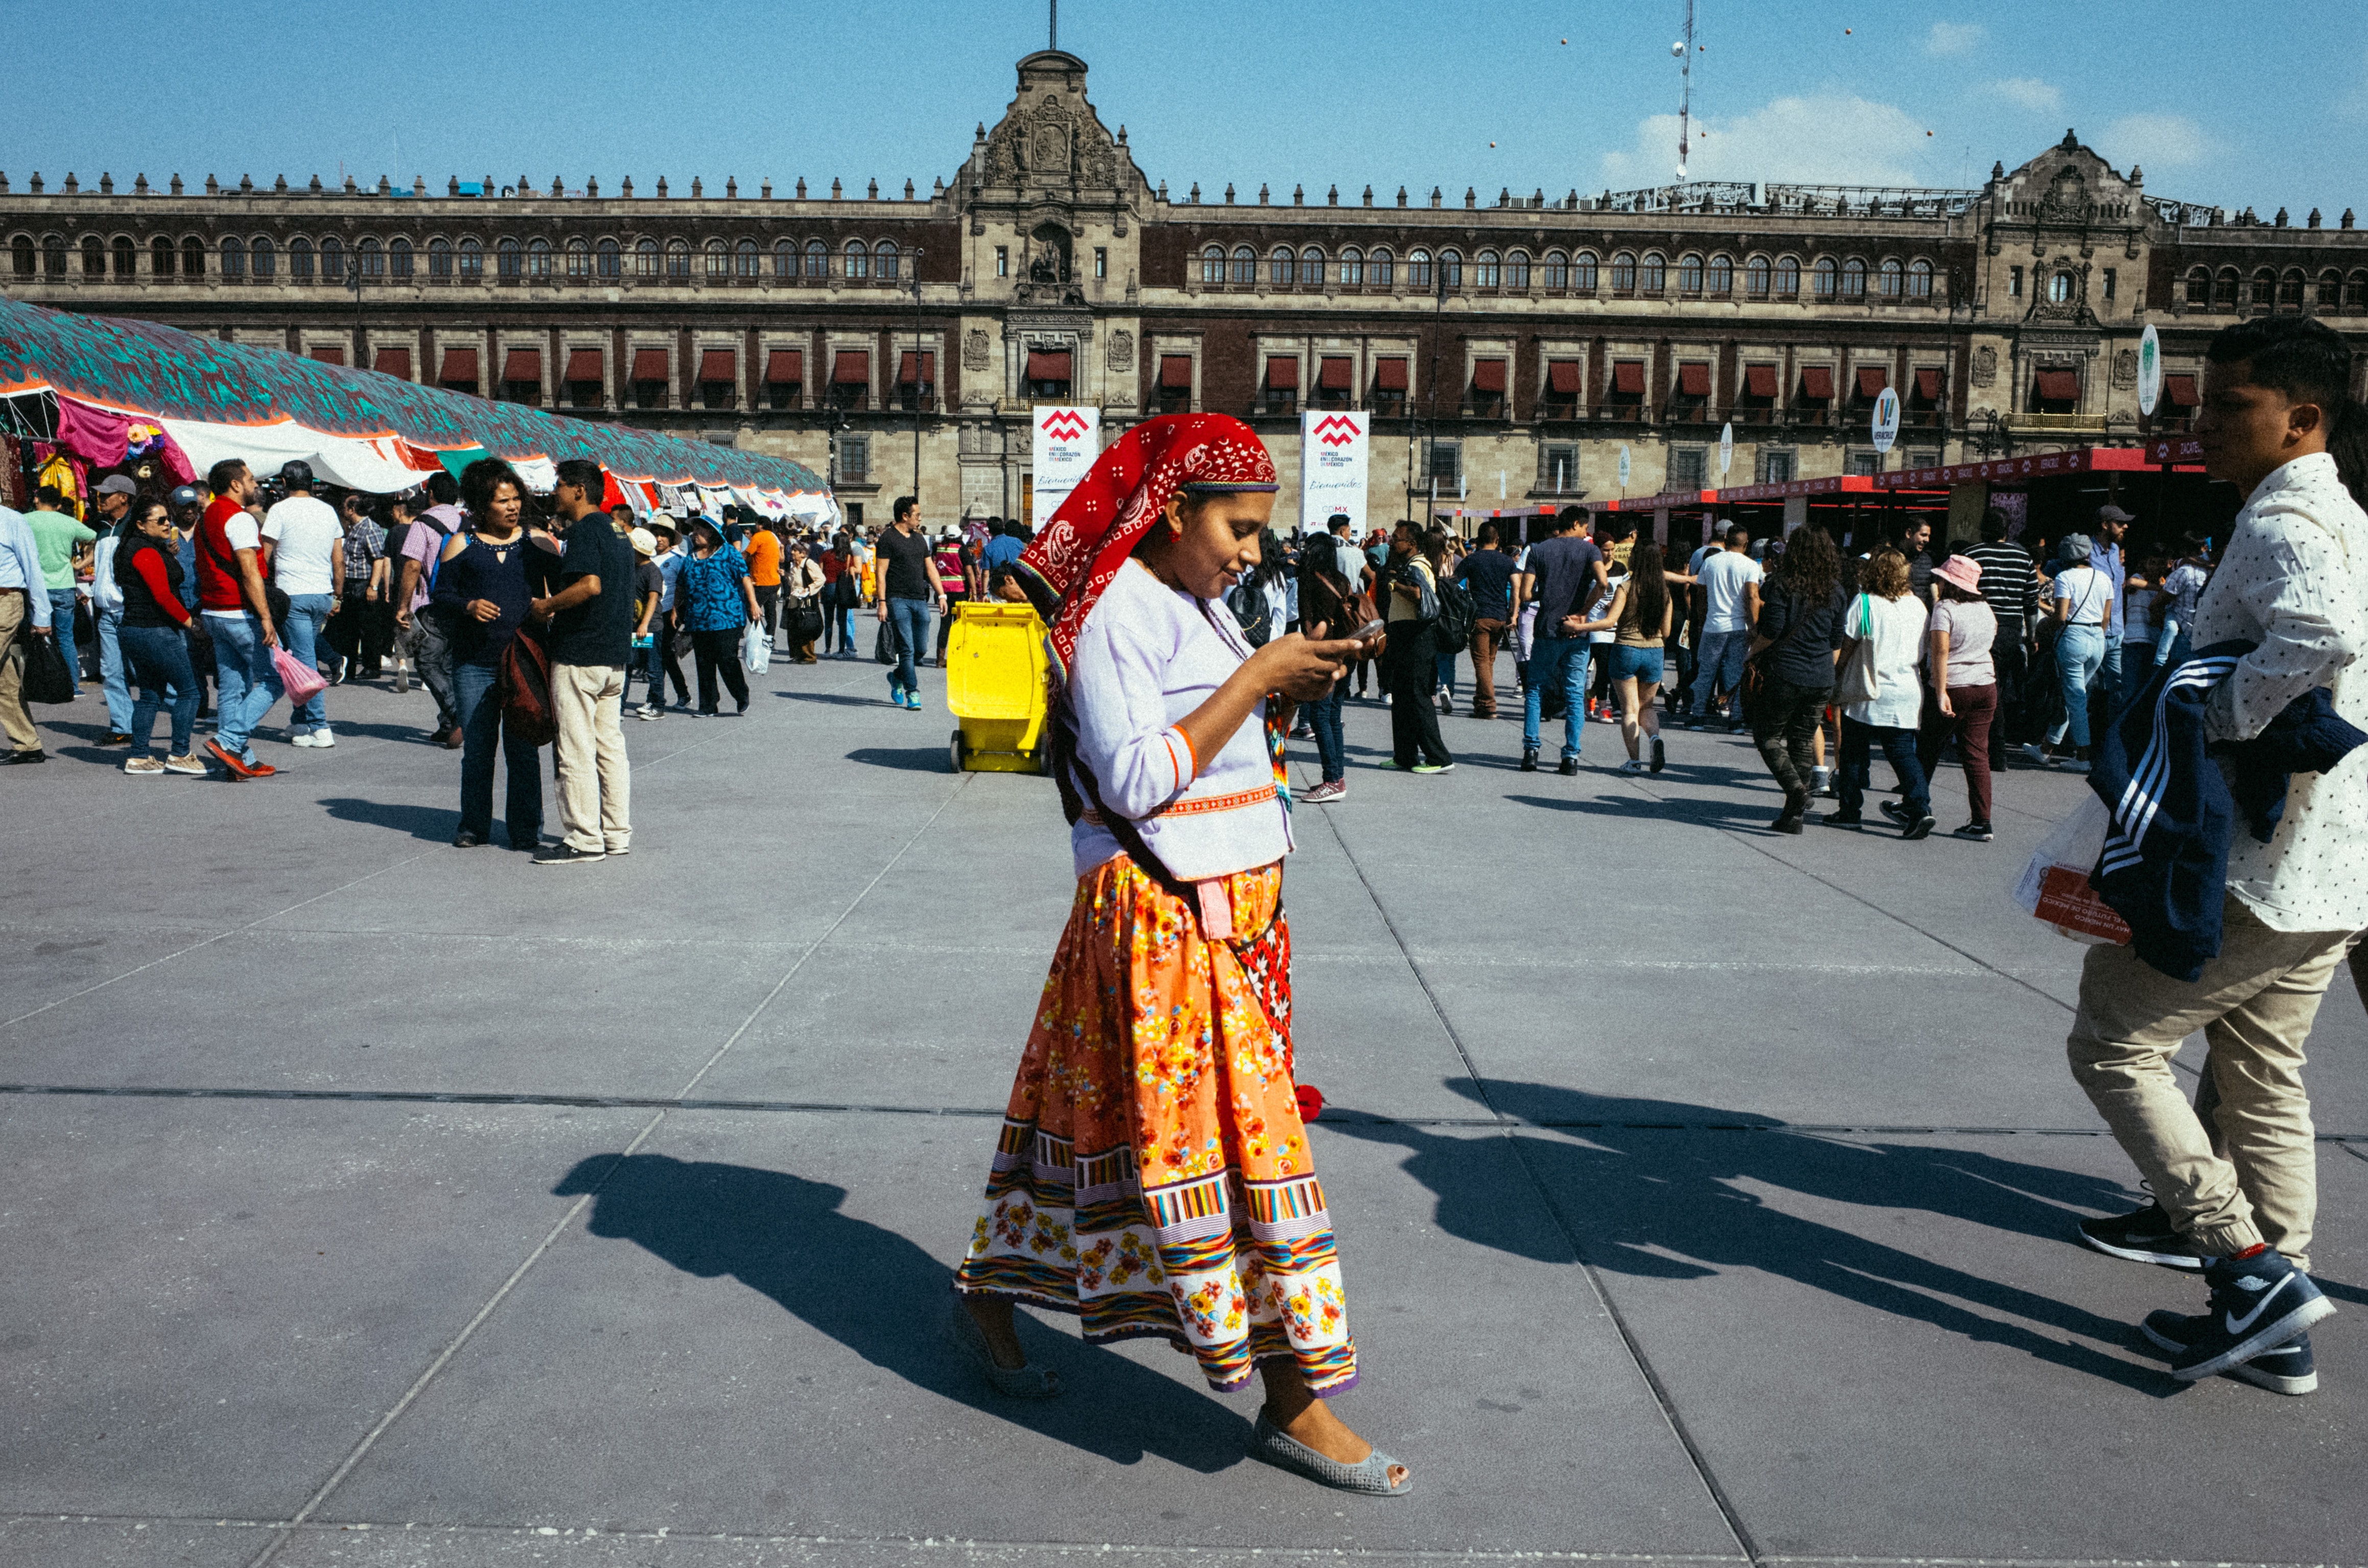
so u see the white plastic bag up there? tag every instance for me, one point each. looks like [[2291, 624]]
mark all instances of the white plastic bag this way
[[755, 651], [2056, 887]]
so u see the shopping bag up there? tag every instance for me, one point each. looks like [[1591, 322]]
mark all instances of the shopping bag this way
[[883, 647], [2054, 886], [297, 675], [1858, 683], [756, 651], [47, 679]]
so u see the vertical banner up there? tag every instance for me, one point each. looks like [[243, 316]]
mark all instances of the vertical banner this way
[[1067, 442], [1333, 449]]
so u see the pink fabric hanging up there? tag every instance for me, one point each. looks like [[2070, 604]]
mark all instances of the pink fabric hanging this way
[[102, 437]]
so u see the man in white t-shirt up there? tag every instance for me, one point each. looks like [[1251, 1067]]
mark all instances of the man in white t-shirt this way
[[1728, 580], [308, 564]]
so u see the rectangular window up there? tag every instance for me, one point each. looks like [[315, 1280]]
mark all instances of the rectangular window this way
[[1003, 261], [1776, 468], [2111, 280], [1688, 465], [1101, 262], [1446, 461], [1866, 462], [2014, 282], [854, 458], [1557, 470]]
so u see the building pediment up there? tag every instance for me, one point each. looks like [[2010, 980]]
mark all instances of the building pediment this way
[[1050, 140], [2069, 184]]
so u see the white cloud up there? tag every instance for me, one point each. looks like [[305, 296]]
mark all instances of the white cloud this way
[[1827, 138], [1953, 38], [2166, 141], [2030, 92]]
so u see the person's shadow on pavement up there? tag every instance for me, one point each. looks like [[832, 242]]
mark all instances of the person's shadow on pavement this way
[[1647, 1199], [886, 1298]]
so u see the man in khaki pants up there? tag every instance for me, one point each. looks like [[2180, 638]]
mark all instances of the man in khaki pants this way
[[2234, 1177], [591, 636], [24, 615]]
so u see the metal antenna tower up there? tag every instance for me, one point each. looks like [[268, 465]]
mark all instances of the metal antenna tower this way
[[1685, 52]]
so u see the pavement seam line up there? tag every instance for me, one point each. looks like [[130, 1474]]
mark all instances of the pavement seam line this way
[[370, 1439], [217, 936], [1728, 1512]]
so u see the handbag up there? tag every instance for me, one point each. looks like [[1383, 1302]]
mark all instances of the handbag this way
[[805, 621], [1858, 682], [883, 647], [47, 679], [523, 684]]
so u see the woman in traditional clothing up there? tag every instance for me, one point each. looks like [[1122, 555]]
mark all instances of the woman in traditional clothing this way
[[1153, 1174]]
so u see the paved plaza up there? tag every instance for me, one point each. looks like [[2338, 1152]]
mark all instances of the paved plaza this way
[[1703, 1194]]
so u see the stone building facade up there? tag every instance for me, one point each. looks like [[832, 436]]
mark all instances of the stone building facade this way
[[1509, 348]]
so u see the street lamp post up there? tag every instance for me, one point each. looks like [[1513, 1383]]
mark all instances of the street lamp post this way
[[919, 362], [1431, 431]]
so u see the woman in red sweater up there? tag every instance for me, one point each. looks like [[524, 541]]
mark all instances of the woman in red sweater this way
[[148, 571]]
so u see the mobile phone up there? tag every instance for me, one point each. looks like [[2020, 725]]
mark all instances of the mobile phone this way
[[1371, 630]]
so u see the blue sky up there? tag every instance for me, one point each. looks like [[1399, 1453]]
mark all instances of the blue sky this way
[[1571, 95]]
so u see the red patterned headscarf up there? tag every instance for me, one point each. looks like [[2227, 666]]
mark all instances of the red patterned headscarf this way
[[1087, 540]]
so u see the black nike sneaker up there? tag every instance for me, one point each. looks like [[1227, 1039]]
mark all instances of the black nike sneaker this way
[[2258, 1303], [2145, 1236], [2287, 1370]]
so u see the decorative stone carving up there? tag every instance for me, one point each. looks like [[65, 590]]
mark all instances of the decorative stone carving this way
[[976, 349], [1048, 150], [1985, 365], [2125, 368], [1121, 350]]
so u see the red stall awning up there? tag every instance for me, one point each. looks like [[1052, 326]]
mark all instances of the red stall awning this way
[[1176, 372], [1693, 379], [1390, 375], [1488, 375], [786, 368], [1048, 365], [459, 365], [1562, 377], [852, 368], [1818, 381], [1760, 380], [584, 365], [649, 364], [2059, 386], [1628, 378], [1282, 372], [1338, 374]]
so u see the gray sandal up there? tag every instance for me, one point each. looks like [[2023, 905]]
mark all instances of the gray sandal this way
[[1371, 1475], [1030, 1382]]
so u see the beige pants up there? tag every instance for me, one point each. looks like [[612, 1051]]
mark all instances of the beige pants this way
[[16, 628], [596, 783], [2247, 1169]]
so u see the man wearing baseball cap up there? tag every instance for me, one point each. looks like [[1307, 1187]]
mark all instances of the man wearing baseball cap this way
[[2105, 555], [113, 501]]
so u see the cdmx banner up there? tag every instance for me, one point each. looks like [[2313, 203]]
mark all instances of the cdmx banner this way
[[1333, 449], [1067, 441]]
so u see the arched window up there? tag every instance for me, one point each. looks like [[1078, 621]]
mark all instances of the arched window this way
[[398, 257], [1451, 269], [1854, 279], [263, 259], [538, 258], [1212, 264], [1920, 279], [817, 260], [300, 260], [785, 262], [369, 259], [160, 257], [2355, 291], [2330, 291], [646, 259], [1583, 276], [579, 259], [21, 255], [127, 262], [719, 259], [1517, 270], [1828, 278], [1722, 275], [439, 258], [1756, 275], [2265, 287], [1281, 268], [1487, 270], [1353, 268], [2199, 286], [333, 260], [1311, 267], [509, 260], [1895, 278], [2224, 289], [473, 258], [744, 260], [1418, 269], [1378, 268], [2061, 288], [54, 254], [1652, 274], [1244, 264], [193, 258], [1557, 270], [94, 256], [1788, 278], [1623, 273], [234, 259], [678, 260], [885, 261], [1690, 274], [2290, 290], [858, 260]]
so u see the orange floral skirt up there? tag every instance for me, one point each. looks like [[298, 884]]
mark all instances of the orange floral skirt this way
[[1154, 1175]]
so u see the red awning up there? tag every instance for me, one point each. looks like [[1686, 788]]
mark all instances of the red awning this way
[[2059, 386], [1176, 372], [1282, 372], [786, 368], [852, 368], [1048, 364], [1928, 385], [1562, 377], [1338, 374], [927, 368], [1871, 379], [1760, 380], [1390, 375], [522, 365], [459, 365], [584, 365], [649, 364], [1693, 379], [329, 355], [2180, 390], [395, 362], [1628, 378], [1818, 381], [1488, 375], [718, 365]]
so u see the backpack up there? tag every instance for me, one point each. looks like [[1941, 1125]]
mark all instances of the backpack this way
[[1251, 609], [1453, 631]]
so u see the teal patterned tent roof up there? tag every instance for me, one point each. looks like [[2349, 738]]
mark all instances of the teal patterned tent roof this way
[[147, 368]]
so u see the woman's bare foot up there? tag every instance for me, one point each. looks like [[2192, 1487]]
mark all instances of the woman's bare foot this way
[[993, 1319], [1309, 1421]]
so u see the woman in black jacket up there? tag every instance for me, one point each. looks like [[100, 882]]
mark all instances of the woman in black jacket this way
[[1800, 628]]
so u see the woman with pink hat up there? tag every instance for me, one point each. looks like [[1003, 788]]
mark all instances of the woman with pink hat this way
[[1964, 683]]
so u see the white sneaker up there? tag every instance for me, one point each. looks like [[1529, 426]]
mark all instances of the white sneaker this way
[[319, 738], [1634, 765]]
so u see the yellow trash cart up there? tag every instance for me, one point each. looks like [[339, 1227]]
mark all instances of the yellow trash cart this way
[[996, 665]]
